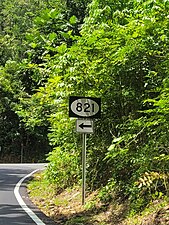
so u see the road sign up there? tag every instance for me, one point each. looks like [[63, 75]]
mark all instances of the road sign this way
[[84, 107], [89, 108], [84, 126]]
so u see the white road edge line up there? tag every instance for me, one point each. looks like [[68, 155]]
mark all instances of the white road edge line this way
[[33, 216]]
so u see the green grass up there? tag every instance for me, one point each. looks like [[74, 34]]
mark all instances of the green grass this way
[[39, 187]]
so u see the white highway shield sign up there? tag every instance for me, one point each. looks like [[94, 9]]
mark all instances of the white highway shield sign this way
[[84, 107], [84, 126]]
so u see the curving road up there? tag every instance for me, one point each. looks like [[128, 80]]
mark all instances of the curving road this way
[[12, 212]]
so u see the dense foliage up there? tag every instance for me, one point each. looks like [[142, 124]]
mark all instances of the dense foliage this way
[[115, 50]]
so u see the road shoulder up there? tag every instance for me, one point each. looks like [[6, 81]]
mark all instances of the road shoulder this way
[[24, 194]]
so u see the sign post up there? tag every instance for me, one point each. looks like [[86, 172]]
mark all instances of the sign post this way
[[85, 108], [83, 168]]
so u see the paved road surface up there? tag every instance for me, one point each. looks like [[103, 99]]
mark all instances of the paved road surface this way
[[11, 212]]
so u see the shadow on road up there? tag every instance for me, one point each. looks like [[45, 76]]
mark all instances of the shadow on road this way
[[13, 215], [10, 177]]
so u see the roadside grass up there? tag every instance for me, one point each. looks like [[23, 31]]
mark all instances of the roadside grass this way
[[64, 207]]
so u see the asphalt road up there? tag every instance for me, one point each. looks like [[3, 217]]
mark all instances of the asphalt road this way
[[11, 212]]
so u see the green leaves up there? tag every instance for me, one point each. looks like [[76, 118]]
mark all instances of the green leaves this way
[[62, 165], [52, 36], [73, 20]]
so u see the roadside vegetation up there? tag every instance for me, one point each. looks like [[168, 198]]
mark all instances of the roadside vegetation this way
[[65, 207], [115, 50]]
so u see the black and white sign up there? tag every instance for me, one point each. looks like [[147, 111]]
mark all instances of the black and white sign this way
[[84, 126], [84, 107]]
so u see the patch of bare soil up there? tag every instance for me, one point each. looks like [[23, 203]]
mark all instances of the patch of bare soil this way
[[161, 217], [155, 214]]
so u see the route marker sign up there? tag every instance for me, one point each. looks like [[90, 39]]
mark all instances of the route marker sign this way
[[84, 107], [84, 126]]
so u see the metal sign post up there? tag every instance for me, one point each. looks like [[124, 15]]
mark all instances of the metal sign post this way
[[84, 136]]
